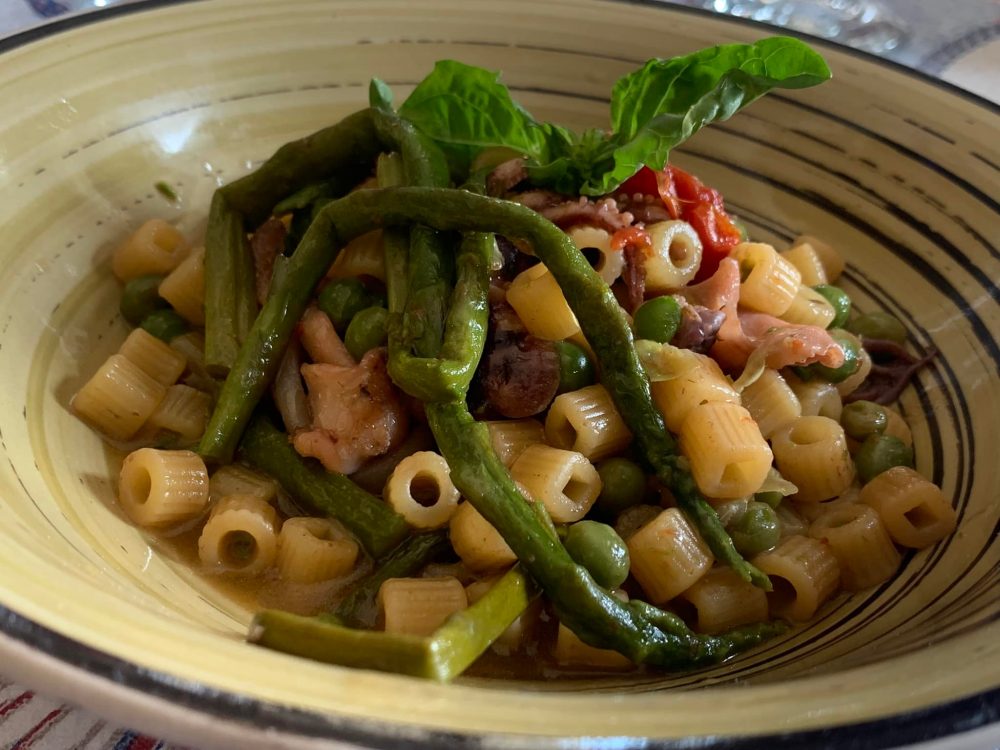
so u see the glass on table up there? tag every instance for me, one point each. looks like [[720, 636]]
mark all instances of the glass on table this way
[[865, 24]]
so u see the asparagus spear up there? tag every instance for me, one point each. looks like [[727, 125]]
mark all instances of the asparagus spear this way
[[230, 293], [376, 526], [444, 655], [433, 354], [341, 155]]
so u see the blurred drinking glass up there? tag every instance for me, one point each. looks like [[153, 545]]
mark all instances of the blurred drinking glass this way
[[864, 24]]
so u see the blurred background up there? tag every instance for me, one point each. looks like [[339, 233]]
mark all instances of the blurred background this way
[[958, 40]]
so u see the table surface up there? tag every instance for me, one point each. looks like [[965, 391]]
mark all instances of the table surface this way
[[958, 41]]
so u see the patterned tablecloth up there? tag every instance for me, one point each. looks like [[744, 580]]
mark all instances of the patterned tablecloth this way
[[958, 41]]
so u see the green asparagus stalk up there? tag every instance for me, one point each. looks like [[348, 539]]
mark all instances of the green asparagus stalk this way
[[344, 152], [447, 653], [341, 155], [433, 348], [230, 291], [447, 375], [376, 526]]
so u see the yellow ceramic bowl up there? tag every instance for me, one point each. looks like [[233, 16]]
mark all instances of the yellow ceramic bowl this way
[[900, 173]]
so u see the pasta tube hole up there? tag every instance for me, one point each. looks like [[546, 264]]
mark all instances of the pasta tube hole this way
[[139, 486], [424, 488], [681, 249], [807, 432], [921, 517], [578, 490], [737, 472], [783, 594], [238, 548], [563, 433], [594, 257]]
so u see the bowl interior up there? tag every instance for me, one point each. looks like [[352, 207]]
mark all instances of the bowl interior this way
[[895, 172]]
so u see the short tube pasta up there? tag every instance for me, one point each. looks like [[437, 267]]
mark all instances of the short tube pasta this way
[[831, 260], [859, 540], [791, 520], [586, 421], [611, 262], [812, 454], [722, 600], [570, 651], [421, 491], [362, 256], [236, 479], [674, 256], [159, 488], [511, 436], [728, 455], [805, 258], [119, 398], [698, 379], [314, 549], [771, 402], [565, 482], [419, 606], [817, 398], [240, 536], [184, 288], [476, 542], [154, 248], [539, 303], [183, 410], [804, 573], [809, 308], [667, 556], [769, 282], [897, 427], [915, 511], [160, 361]]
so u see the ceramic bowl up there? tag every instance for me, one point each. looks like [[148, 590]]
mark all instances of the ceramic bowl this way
[[898, 172]]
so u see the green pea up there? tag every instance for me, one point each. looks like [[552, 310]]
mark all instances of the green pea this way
[[366, 331], [141, 297], [623, 484], [880, 453], [657, 319], [598, 548], [757, 530], [840, 301], [342, 299], [878, 325], [770, 499], [165, 325], [863, 418], [575, 368], [852, 359]]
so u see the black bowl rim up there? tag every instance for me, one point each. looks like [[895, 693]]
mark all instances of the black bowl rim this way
[[959, 716]]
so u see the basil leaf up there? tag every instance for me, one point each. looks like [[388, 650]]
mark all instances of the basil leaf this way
[[665, 102], [462, 106], [466, 109]]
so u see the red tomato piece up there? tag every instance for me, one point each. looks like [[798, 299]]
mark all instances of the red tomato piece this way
[[688, 198]]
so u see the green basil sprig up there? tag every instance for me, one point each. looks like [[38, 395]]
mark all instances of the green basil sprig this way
[[653, 109]]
